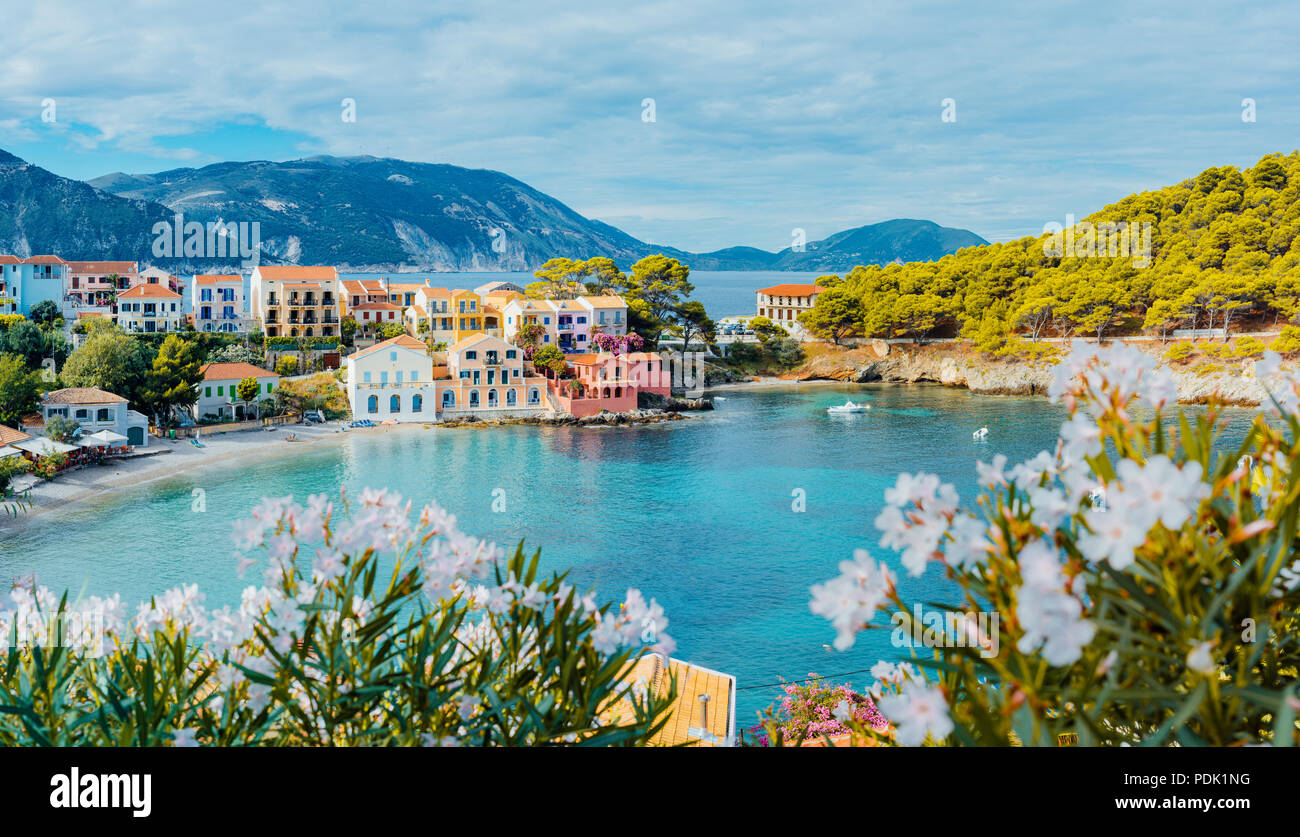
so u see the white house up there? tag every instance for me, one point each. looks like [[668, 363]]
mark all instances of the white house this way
[[219, 390], [782, 304], [96, 410], [392, 380], [219, 304], [149, 309]]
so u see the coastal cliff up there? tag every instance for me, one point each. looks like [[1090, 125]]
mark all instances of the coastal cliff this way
[[959, 365]]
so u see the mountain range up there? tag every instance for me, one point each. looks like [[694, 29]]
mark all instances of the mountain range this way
[[365, 213]]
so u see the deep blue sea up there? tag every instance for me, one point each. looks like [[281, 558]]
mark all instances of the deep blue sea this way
[[698, 514]]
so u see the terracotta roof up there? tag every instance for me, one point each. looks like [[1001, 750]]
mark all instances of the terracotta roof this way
[[216, 278], [419, 311], [435, 292], [10, 260], [44, 260], [82, 395], [582, 360], [404, 341], [234, 372], [149, 290], [466, 342], [8, 434], [791, 290], [104, 267], [81, 315], [604, 301], [377, 306], [299, 272], [366, 286]]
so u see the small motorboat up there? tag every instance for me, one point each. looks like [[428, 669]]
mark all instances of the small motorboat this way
[[848, 407], [982, 433]]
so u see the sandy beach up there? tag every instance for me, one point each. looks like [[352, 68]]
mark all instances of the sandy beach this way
[[169, 458]]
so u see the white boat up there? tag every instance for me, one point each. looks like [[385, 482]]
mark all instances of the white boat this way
[[848, 407], [982, 433]]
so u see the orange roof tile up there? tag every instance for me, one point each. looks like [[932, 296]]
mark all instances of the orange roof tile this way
[[404, 341], [234, 372], [9, 435], [604, 301], [216, 278], [82, 395], [298, 272], [104, 267], [44, 260], [150, 291], [791, 290]]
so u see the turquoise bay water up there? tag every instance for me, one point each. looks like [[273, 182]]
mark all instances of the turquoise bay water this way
[[697, 514]]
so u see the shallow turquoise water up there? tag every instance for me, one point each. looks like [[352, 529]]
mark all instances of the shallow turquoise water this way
[[697, 514]]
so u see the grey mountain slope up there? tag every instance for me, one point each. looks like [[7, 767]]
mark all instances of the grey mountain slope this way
[[366, 213]]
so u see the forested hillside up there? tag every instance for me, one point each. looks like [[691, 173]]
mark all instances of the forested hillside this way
[[1224, 251]]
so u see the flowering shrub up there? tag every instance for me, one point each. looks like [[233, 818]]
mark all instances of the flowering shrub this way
[[1146, 588], [458, 646], [816, 709], [617, 343]]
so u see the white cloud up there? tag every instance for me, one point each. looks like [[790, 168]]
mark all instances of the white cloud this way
[[769, 115]]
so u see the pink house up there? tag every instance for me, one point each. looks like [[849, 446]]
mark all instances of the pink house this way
[[609, 382]]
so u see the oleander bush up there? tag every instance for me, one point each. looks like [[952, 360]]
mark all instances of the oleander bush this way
[[1145, 588], [455, 645]]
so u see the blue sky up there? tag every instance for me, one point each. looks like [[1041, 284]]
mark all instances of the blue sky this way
[[769, 116]]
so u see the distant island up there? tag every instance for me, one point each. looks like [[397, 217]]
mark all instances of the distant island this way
[[369, 214]]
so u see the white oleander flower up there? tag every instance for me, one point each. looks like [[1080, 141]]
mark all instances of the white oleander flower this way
[[1200, 659], [917, 712], [1112, 535], [992, 476], [850, 600]]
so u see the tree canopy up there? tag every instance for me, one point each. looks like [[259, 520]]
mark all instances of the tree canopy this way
[[1224, 246]]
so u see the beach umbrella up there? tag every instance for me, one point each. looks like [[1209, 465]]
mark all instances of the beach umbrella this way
[[107, 437], [42, 446]]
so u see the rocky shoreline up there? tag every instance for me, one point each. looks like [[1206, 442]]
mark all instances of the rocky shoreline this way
[[959, 365]]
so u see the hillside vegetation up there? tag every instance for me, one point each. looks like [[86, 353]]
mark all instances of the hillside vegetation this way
[[1223, 251]]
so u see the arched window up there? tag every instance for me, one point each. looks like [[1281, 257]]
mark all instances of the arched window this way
[[307, 333], [293, 332], [448, 398], [511, 398], [606, 392], [417, 403], [373, 404], [272, 331], [618, 392], [492, 398], [473, 398], [533, 397], [395, 404]]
